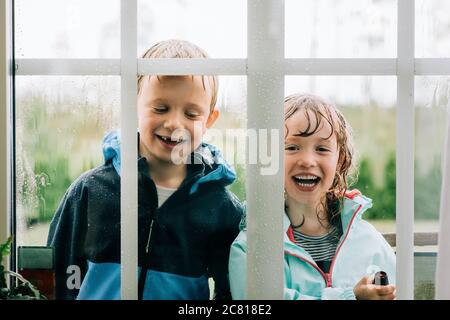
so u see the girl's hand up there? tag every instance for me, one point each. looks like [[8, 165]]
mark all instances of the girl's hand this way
[[365, 290]]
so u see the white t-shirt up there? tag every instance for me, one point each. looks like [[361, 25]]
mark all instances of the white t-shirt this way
[[164, 194]]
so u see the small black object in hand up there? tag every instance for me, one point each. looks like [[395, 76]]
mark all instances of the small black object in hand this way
[[381, 278]]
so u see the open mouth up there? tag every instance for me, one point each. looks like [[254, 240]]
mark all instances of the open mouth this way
[[306, 181], [169, 141]]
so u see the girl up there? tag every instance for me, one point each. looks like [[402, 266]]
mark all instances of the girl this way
[[329, 251]]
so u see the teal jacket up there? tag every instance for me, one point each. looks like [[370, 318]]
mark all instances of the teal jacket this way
[[361, 251]]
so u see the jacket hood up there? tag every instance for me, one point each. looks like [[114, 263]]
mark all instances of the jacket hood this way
[[355, 204], [215, 166]]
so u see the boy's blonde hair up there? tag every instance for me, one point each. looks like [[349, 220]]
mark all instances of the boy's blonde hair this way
[[325, 111], [181, 49]]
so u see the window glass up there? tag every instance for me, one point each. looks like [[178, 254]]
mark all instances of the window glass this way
[[432, 103], [341, 29], [432, 29], [219, 27], [60, 123], [228, 133], [67, 29], [368, 103]]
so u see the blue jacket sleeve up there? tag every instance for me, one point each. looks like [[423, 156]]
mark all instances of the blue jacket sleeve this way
[[66, 236], [231, 213]]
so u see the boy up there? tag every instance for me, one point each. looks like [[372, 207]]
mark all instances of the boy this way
[[187, 219]]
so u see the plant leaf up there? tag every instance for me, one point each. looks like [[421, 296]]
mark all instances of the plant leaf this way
[[5, 248]]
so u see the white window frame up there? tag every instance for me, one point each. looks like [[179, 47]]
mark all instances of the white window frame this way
[[265, 60], [5, 121]]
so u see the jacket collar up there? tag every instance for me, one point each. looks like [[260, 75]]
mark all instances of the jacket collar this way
[[206, 163], [353, 201]]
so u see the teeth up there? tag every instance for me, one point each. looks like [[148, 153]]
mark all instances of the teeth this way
[[308, 177], [168, 139], [306, 180], [305, 184]]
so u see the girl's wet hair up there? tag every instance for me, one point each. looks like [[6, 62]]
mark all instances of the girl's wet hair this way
[[316, 110]]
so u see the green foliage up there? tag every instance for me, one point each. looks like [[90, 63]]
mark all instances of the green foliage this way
[[53, 150], [365, 182], [384, 202], [424, 290], [25, 290], [383, 197], [428, 191], [238, 187], [5, 249], [53, 179]]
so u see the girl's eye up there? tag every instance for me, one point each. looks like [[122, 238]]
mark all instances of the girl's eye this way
[[323, 149], [291, 148]]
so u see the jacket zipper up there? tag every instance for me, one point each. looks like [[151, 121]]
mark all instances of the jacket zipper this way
[[328, 276], [147, 248], [345, 238], [143, 274], [325, 276]]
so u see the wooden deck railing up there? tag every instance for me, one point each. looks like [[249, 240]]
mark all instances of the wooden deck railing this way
[[420, 238]]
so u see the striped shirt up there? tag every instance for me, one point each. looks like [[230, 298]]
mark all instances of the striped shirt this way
[[321, 248]]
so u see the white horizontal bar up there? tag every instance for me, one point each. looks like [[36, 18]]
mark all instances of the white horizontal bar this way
[[67, 67], [81, 67], [340, 67], [192, 66], [145, 66], [432, 67]]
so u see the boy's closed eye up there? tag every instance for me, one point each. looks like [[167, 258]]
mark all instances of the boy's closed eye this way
[[160, 109], [192, 114], [193, 111]]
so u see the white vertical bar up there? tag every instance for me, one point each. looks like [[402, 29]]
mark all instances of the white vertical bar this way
[[405, 150], [128, 153], [265, 93], [443, 258], [5, 77]]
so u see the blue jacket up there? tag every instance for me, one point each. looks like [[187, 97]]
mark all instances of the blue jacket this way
[[362, 250], [180, 244]]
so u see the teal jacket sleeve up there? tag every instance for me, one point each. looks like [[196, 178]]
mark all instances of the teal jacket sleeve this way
[[238, 273], [238, 276]]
